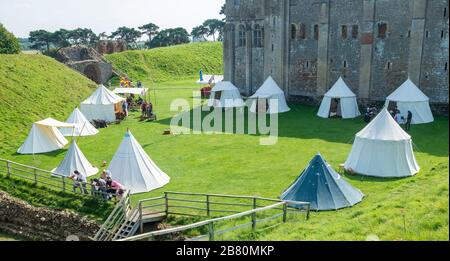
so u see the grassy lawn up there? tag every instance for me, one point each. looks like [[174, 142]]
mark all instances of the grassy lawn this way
[[401, 209]]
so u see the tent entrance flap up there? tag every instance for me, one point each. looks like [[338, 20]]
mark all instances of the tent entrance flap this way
[[218, 95], [335, 108]]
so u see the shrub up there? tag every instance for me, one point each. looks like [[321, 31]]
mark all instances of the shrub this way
[[9, 44]]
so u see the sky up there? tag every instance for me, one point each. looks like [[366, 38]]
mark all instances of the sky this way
[[22, 16]]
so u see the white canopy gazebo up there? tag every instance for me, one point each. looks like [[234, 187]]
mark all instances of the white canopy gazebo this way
[[134, 91], [133, 168], [75, 160], [408, 97], [210, 78], [346, 106], [383, 149], [82, 126], [45, 137], [225, 95], [269, 91], [102, 105]]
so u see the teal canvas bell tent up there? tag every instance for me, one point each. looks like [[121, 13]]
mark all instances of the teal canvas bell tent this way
[[323, 187]]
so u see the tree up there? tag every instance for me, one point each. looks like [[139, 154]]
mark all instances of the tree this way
[[199, 32], [129, 35], [170, 37], [9, 44], [83, 36], [102, 36], [214, 26], [41, 39], [150, 30], [60, 38], [222, 9]]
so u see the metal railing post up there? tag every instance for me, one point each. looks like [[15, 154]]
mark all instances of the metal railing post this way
[[35, 176], [308, 210], [211, 231], [166, 196], [208, 211], [8, 168], [284, 212], [141, 223], [254, 215], [64, 183]]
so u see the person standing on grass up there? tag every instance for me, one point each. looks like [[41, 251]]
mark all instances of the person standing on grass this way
[[80, 181], [125, 108], [144, 108], [409, 120]]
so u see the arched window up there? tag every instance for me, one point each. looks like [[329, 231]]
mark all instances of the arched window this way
[[382, 30], [316, 32], [258, 36], [242, 36], [302, 31], [293, 31]]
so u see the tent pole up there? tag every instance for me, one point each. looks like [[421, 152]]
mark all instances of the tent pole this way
[[84, 125]]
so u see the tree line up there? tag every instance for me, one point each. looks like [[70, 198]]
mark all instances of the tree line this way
[[46, 41]]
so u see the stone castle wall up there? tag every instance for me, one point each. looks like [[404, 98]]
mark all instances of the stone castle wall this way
[[308, 44]]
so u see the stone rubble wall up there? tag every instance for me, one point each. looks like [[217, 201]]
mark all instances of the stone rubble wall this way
[[43, 224]]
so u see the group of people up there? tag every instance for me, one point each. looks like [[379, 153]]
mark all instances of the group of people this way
[[104, 186], [401, 120], [146, 109], [127, 83], [371, 113]]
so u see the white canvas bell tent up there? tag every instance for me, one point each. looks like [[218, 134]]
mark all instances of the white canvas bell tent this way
[[75, 160], [102, 105], [261, 100], [83, 126], [45, 137], [225, 95], [383, 149], [133, 168], [410, 98], [347, 107]]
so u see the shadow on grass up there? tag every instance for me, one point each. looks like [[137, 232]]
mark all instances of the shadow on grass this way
[[362, 178], [53, 154], [302, 123]]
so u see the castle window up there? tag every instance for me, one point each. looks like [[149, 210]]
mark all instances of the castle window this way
[[293, 31], [307, 64], [389, 65], [445, 12], [442, 34], [242, 36], [446, 67], [382, 29], [355, 31], [344, 32], [345, 64], [302, 31], [274, 21], [316, 32], [427, 34], [258, 36], [409, 33]]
